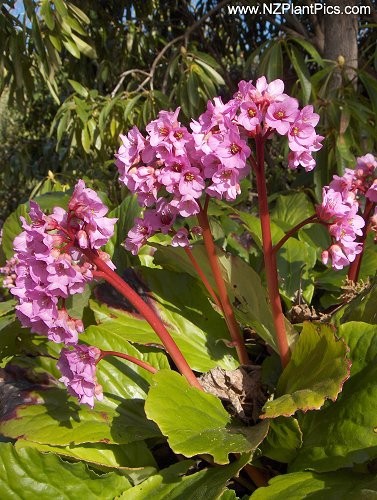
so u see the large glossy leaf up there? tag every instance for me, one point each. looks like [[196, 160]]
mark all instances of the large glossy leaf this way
[[171, 484], [243, 285], [317, 370], [291, 209], [344, 433], [283, 440], [50, 417], [330, 486], [180, 302], [203, 425], [133, 460], [37, 410], [27, 473], [295, 260], [117, 376]]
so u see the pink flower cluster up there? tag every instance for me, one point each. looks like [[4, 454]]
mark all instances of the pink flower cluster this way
[[51, 263], [340, 207], [171, 168], [79, 373]]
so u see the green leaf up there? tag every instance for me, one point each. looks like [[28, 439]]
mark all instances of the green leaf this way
[[295, 260], [12, 227], [310, 49], [283, 440], [119, 377], [48, 416], [243, 284], [126, 213], [84, 47], [47, 14], [133, 459], [344, 433], [291, 209], [61, 7], [330, 486], [27, 473], [203, 426], [302, 71], [7, 306], [85, 140], [71, 47], [80, 89], [361, 308], [316, 372], [171, 484]]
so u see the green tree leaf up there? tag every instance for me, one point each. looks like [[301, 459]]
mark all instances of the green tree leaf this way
[[80, 89], [344, 433], [202, 426], [317, 370], [332, 486], [27, 473]]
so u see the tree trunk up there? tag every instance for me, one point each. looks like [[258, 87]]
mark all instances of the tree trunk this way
[[340, 43]]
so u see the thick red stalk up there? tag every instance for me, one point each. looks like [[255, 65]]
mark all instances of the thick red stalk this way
[[119, 284], [269, 256], [230, 319], [354, 269], [203, 277], [127, 357]]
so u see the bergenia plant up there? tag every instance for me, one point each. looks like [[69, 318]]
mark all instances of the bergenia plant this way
[[232, 405]]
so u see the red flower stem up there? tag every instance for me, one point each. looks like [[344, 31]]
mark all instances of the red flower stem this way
[[291, 232], [223, 295], [119, 284], [269, 255], [354, 269], [132, 359], [203, 277]]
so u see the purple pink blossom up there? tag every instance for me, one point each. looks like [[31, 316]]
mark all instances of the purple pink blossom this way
[[343, 200], [78, 368], [50, 264], [181, 166]]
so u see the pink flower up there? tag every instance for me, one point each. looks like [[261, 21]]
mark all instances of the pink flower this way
[[371, 194], [232, 151], [225, 183], [78, 368], [280, 115], [180, 239], [129, 152], [138, 235], [51, 265], [304, 158], [332, 205], [301, 136], [191, 182], [186, 205]]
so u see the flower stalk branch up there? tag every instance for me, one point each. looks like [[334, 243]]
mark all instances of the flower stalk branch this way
[[230, 318], [119, 284], [269, 255], [128, 357], [203, 277], [291, 232], [354, 269]]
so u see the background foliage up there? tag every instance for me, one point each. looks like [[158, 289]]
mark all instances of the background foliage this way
[[74, 74]]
